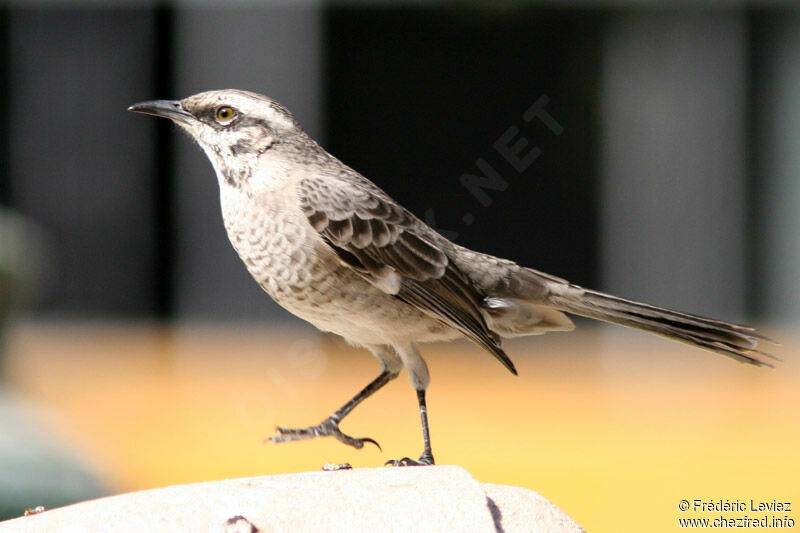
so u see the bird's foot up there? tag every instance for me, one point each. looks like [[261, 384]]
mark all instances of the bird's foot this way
[[328, 428], [426, 459], [330, 467]]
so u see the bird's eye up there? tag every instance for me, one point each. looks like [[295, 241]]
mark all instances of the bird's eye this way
[[225, 113]]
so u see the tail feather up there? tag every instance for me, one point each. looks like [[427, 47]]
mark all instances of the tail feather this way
[[733, 340]]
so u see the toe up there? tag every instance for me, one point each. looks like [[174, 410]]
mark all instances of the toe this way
[[407, 461], [328, 428]]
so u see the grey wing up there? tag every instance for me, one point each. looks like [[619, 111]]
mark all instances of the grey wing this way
[[389, 247]]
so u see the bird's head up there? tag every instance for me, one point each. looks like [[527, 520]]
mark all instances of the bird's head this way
[[233, 127]]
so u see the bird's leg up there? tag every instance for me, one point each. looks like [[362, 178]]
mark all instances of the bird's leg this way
[[330, 426], [427, 455]]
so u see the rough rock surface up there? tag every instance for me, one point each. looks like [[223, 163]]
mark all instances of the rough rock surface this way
[[441, 498]]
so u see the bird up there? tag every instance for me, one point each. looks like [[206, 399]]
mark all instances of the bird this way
[[334, 249]]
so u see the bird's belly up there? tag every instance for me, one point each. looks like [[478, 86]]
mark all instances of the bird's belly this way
[[298, 270]]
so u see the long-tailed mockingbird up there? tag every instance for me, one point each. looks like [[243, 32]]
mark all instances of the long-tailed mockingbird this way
[[334, 249]]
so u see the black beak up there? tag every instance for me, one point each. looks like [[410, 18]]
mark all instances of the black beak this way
[[171, 109]]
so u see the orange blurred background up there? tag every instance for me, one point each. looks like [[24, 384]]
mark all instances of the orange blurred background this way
[[615, 427]]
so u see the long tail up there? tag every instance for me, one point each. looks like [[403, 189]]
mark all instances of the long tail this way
[[733, 340]]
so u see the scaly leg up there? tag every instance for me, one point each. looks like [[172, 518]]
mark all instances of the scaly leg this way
[[427, 455], [330, 426]]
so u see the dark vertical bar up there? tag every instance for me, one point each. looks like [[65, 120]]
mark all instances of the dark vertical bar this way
[[753, 269], [163, 265], [5, 178], [553, 201]]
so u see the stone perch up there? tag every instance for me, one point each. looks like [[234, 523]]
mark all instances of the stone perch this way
[[432, 498]]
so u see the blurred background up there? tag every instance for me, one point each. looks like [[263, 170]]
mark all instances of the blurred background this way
[[661, 164]]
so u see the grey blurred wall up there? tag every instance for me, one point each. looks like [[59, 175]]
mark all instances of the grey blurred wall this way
[[776, 118], [275, 50], [674, 176]]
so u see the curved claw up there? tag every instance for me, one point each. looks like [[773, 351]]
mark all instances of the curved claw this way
[[372, 441]]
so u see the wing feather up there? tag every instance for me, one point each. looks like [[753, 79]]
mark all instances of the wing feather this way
[[380, 240]]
